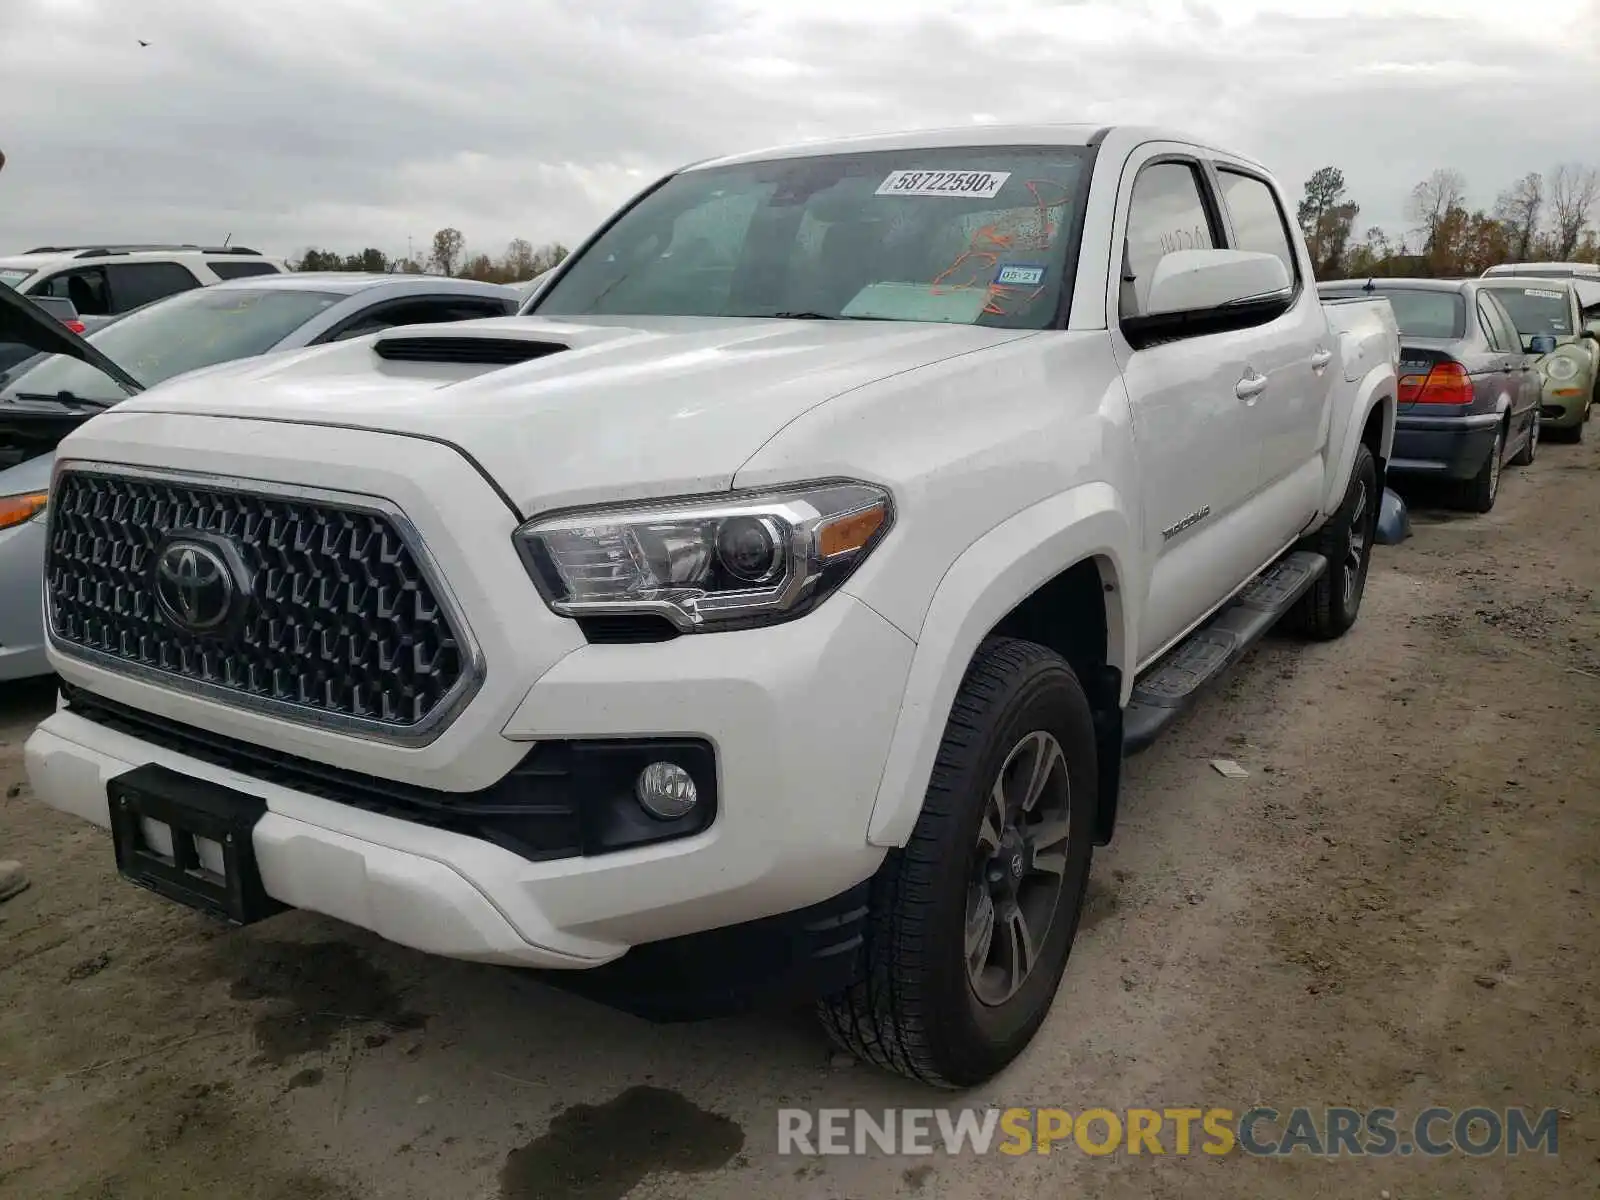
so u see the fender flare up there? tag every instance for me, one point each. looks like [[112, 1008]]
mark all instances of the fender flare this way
[[1377, 388], [990, 578]]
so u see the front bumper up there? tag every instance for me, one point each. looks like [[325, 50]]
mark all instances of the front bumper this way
[[22, 646], [1563, 408], [800, 716], [1452, 447]]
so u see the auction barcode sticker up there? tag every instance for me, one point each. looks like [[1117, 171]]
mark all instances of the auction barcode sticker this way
[[982, 184]]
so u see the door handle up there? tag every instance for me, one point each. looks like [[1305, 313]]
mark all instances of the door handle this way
[[1321, 359], [1251, 386]]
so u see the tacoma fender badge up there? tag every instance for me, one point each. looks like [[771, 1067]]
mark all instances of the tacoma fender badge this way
[[1194, 518]]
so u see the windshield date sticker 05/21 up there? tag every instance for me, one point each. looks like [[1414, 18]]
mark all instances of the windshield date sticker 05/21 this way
[[1019, 275], [983, 185]]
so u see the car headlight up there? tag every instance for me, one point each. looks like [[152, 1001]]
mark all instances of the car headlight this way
[[744, 559], [1561, 368], [15, 510]]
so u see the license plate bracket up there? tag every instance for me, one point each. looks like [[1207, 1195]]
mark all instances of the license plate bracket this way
[[192, 810]]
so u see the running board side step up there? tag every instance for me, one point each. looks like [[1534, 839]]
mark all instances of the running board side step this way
[[1162, 693]]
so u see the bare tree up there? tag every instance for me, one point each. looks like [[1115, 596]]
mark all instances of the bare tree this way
[[447, 247], [518, 260], [1574, 190], [1433, 199], [1520, 208]]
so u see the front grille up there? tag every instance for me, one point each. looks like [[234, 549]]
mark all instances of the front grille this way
[[335, 622]]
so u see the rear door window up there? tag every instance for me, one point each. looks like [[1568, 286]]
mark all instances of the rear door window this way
[[86, 288], [1496, 326], [1258, 221], [133, 284]]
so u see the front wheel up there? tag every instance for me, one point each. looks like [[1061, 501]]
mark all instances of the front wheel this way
[[1334, 601], [971, 923]]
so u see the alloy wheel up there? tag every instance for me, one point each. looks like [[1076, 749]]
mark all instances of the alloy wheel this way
[[1019, 867]]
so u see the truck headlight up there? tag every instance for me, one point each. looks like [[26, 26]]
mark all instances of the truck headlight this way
[[1561, 368], [748, 558]]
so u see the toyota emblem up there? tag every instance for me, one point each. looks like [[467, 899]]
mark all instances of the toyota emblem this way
[[195, 588]]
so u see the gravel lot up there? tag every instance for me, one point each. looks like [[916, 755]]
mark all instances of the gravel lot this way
[[1395, 908]]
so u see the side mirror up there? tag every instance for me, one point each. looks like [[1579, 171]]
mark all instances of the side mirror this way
[[1542, 343], [1187, 281]]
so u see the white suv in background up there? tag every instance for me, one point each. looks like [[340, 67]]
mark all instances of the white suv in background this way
[[103, 280]]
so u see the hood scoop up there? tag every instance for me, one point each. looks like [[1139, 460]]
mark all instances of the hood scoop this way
[[472, 351]]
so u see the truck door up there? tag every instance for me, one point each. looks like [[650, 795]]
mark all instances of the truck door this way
[[1297, 355], [1199, 454]]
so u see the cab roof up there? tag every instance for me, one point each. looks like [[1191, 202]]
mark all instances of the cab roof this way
[[1068, 134]]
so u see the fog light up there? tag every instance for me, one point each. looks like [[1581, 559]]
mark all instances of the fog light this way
[[666, 790]]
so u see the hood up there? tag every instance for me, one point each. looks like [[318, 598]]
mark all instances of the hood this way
[[572, 411], [24, 323]]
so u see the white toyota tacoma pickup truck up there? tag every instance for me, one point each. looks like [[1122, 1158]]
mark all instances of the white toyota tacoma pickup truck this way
[[765, 611]]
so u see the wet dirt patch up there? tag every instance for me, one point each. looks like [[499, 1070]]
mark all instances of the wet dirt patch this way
[[602, 1152], [310, 992], [160, 1138]]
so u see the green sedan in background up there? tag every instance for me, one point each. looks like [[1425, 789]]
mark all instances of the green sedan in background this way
[[1571, 372]]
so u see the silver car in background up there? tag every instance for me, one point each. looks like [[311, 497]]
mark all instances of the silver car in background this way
[[1469, 390], [45, 397]]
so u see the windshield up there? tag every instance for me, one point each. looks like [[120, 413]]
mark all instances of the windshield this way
[[1537, 310], [975, 236], [185, 332], [12, 276]]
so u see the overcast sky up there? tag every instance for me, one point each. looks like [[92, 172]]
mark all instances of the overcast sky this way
[[346, 123]]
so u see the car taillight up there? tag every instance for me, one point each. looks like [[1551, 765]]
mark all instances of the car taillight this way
[[75, 326], [1445, 383]]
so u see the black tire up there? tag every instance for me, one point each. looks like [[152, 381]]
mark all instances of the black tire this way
[[1480, 492], [1569, 435], [1332, 605], [917, 1010], [1530, 448]]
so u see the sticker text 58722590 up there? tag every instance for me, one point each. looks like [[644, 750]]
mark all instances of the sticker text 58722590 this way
[[980, 184]]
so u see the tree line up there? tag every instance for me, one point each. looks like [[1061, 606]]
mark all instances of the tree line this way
[[447, 255], [1539, 218]]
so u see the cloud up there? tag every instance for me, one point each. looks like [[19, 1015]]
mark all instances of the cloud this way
[[346, 123]]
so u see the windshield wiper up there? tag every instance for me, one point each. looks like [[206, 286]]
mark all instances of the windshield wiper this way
[[65, 397]]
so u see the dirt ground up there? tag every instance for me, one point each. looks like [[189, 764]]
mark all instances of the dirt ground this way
[[1395, 908]]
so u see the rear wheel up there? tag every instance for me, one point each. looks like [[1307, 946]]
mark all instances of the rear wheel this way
[[1334, 601], [971, 923], [1530, 448], [1481, 491]]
